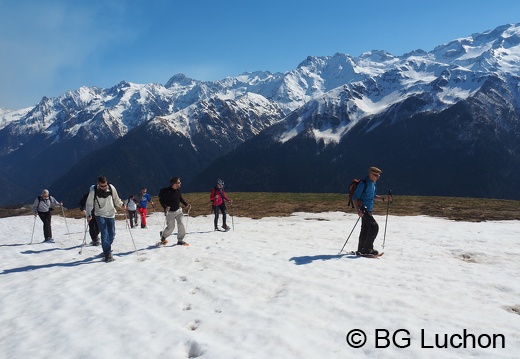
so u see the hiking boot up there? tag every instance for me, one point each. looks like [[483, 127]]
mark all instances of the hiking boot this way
[[95, 242], [109, 258], [163, 241], [182, 243], [372, 252], [226, 227], [49, 240]]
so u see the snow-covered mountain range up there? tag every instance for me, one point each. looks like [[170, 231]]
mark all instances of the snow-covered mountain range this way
[[314, 121]]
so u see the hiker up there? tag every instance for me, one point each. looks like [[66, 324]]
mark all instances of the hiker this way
[[131, 207], [103, 199], [42, 207], [170, 199], [218, 200], [93, 228], [142, 200], [363, 200]]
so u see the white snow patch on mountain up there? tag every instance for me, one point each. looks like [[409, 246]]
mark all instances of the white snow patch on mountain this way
[[9, 116], [452, 95]]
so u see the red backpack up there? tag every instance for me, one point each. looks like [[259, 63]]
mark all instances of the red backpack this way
[[352, 188]]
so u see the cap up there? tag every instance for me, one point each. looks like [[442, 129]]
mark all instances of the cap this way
[[220, 182], [45, 192], [375, 170]]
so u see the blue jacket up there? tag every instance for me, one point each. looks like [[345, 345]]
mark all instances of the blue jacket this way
[[366, 196]]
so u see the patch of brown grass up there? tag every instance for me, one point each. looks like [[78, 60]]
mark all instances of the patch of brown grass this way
[[262, 204]]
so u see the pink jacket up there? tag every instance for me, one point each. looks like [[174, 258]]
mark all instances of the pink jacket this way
[[216, 198]]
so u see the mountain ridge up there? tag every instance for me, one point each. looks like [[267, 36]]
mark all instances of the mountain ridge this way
[[324, 99]]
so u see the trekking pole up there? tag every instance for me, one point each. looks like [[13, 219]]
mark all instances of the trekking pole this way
[[165, 222], [165, 217], [232, 221], [189, 209], [387, 209], [129, 231], [34, 225], [157, 220], [65, 218], [85, 235], [349, 235]]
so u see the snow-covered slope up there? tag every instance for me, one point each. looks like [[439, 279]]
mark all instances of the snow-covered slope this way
[[222, 117], [369, 84], [449, 74], [276, 287]]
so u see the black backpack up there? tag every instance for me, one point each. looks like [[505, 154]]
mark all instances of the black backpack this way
[[40, 198]]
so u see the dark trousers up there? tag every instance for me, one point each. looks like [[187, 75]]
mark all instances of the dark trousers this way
[[368, 234], [46, 219], [132, 216], [216, 209]]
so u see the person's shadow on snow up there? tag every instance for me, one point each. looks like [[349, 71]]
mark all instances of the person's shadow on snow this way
[[28, 268], [321, 257]]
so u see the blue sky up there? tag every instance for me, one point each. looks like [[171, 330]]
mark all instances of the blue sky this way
[[51, 46]]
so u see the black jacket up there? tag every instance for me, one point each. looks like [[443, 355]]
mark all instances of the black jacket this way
[[83, 203], [169, 197]]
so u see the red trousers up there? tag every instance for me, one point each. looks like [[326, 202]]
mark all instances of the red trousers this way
[[143, 216]]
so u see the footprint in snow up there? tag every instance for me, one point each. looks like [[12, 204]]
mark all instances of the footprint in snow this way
[[194, 290], [193, 349], [193, 325]]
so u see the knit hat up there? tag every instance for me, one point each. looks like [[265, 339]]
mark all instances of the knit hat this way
[[45, 192], [220, 182], [375, 170]]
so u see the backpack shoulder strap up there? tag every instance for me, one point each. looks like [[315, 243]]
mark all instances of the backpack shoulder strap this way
[[94, 200], [111, 195]]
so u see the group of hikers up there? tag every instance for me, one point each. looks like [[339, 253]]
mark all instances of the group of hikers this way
[[99, 206], [134, 204]]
